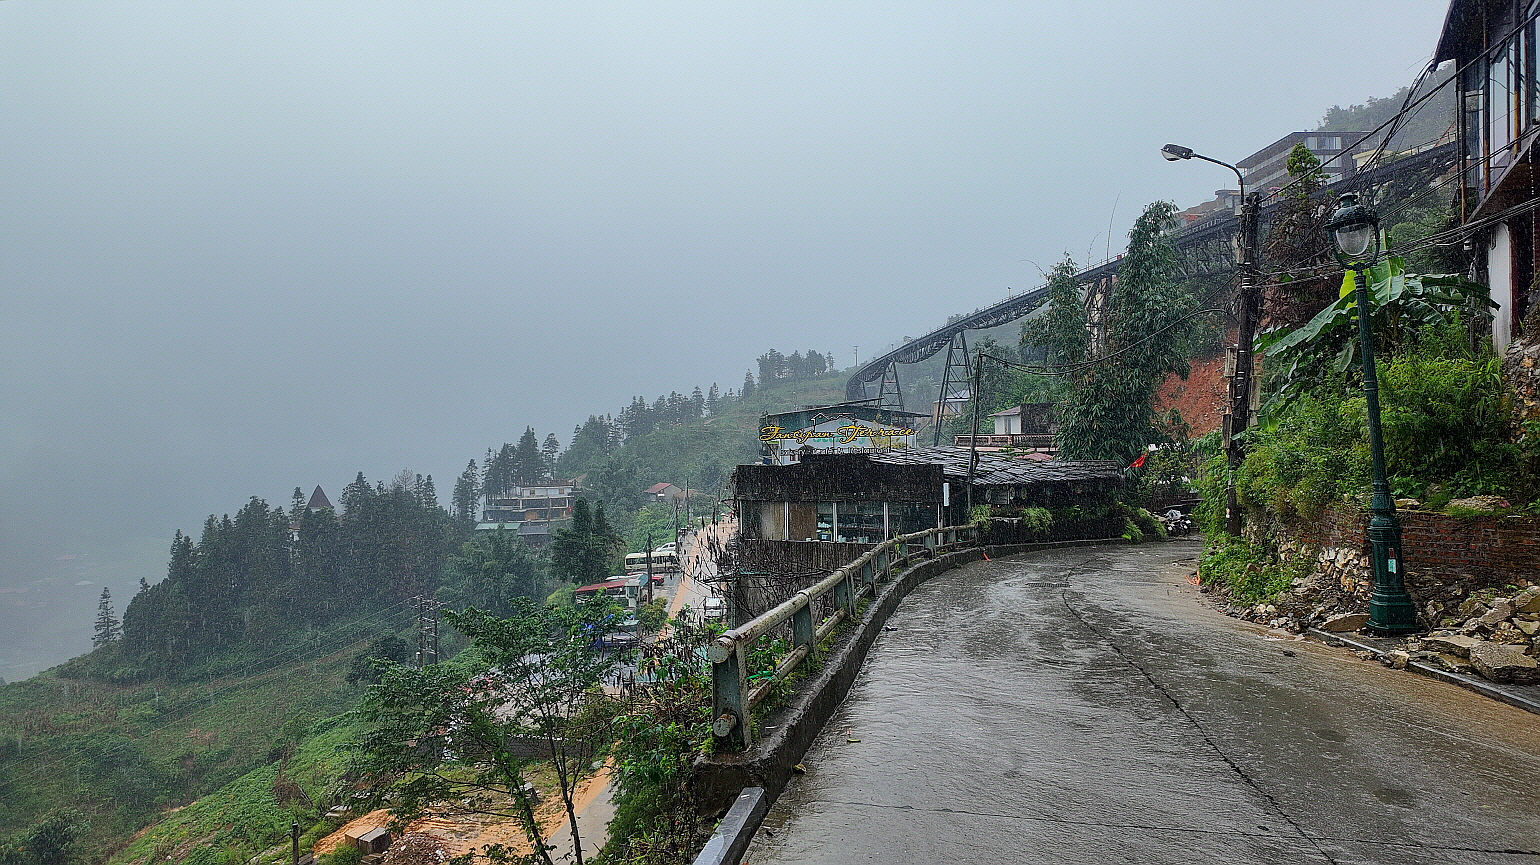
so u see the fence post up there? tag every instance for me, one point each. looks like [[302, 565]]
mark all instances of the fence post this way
[[842, 595], [802, 627], [729, 691]]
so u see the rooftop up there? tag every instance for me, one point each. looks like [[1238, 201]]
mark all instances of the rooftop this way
[[999, 469]]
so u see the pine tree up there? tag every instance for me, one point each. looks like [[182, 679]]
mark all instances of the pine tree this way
[[583, 552], [550, 452], [108, 628], [528, 465], [713, 400], [748, 386], [467, 493]]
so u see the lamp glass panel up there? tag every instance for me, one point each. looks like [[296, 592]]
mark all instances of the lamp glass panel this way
[[1353, 240]]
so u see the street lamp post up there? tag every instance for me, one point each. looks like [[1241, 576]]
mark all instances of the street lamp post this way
[[1355, 233], [1246, 313]]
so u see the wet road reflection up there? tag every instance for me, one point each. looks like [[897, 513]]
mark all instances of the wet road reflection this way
[[1083, 705]]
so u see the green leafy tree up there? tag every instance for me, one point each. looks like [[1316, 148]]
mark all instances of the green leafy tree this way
[[618, 481], [439, 736], [387, 648], [1059, 335], [655, 521], [1297, 246], [50, 841], [490, 571], [1109, 414]]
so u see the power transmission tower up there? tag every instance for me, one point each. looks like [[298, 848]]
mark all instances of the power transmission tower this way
[[889, 396], [427, 630], [955, 390]]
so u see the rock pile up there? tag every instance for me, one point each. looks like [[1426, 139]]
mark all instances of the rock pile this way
[[1495, 637], [1498, 638], [1303, 606]]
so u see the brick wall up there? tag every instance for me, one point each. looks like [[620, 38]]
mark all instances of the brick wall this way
[[1445, 557]]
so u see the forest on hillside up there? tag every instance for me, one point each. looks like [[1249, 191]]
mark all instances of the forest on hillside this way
[[273, 612]]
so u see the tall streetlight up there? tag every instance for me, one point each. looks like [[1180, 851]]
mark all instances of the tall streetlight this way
[[1246, 311], [1355, 233]]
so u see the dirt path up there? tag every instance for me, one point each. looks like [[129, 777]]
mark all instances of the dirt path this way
[[469, 833]]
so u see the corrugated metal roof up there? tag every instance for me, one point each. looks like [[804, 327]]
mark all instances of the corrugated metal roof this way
[[997, 469]]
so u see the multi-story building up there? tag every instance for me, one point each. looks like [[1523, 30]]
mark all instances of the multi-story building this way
[[1492, 43], [1267, 168], [528, 507]]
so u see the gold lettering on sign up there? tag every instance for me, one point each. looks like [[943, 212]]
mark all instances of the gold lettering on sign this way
[[844, 435]]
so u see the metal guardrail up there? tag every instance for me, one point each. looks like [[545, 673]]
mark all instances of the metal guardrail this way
[[731, 697]]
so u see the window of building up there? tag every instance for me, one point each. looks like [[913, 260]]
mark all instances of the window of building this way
[[861, 522], [908, 517], [825, 522]]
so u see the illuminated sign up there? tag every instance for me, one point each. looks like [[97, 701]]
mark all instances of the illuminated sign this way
[[835, 435]]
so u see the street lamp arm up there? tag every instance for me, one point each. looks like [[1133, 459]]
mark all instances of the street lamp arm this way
[[1240, 178]]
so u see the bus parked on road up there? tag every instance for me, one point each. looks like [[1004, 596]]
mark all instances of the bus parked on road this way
[[663, 561]]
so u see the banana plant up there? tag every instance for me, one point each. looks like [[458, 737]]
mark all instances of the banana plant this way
[[1325, 349]]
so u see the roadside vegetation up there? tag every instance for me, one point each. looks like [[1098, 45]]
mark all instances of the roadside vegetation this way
[[1446, 421]]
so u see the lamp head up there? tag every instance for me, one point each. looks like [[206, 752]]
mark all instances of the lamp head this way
[[1355, 232], [1173, 152]]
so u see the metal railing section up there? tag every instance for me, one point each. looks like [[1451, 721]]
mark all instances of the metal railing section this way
[[733, 699]]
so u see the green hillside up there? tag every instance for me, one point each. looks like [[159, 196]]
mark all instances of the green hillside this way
[[117, 756]]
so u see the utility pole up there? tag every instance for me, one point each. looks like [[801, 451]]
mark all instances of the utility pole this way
[[427, 630], [649, 564], [973, 440], [1246, 307], [1246, 311]]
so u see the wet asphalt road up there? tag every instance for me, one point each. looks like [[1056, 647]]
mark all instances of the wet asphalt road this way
[[1084, 705]]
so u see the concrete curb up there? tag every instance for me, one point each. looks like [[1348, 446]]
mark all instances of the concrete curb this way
[[1503, 694], [767, 767]]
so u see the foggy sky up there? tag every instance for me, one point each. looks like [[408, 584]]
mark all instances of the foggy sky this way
[[245, 248]]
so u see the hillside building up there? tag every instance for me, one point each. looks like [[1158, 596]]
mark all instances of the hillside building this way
[[1492, 43]]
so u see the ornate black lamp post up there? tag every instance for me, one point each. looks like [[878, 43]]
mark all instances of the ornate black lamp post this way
[[1355, 232]]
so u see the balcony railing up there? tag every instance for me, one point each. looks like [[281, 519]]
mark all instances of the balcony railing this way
[[1015, 440]]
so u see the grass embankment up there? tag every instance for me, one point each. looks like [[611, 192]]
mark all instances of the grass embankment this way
[[253, 813], [120, 755]]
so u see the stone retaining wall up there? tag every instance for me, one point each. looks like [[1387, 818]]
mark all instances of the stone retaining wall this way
[[1446, 557]]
